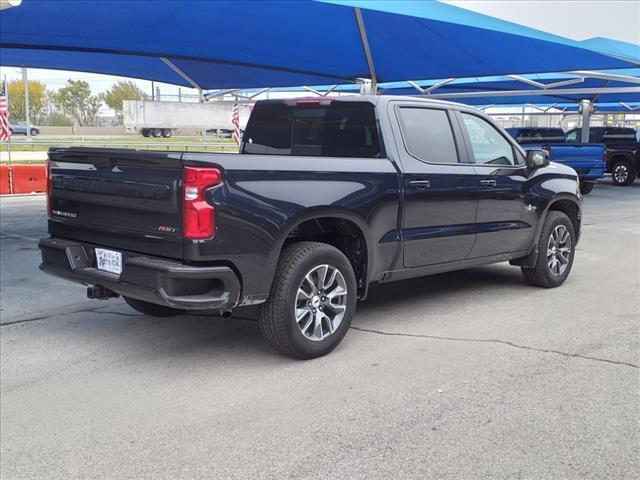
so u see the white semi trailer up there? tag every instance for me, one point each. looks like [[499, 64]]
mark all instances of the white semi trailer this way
[[160, 119]]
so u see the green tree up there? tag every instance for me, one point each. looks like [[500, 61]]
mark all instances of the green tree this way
[[37, 97], [77, 101], [56, 119], [123, 90]]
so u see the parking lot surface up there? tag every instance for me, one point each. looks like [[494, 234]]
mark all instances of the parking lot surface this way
[[470, 374]]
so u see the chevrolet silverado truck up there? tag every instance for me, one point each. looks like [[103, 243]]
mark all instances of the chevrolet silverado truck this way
[[589, 160], [623, 151], [326, 197]]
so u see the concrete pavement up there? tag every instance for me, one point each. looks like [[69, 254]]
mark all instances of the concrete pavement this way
[[471, 374]]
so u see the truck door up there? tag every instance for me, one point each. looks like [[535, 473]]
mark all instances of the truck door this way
[[440, 196], [507, 214]]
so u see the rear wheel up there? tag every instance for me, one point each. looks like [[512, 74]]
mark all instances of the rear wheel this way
[[556, 249], [145, 132], [312, 301], [151, 308], [34, 132], [586, 187], [156, 132], [166, 132], [622, 173]]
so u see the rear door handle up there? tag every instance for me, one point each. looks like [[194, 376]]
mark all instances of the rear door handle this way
[[420, 184], [488, 183]]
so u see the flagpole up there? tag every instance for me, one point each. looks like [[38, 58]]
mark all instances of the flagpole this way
[[9, 172]]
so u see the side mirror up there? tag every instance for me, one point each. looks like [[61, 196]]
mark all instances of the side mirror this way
[[537, 158]]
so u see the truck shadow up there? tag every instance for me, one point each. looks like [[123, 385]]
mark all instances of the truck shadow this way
[[211, 340]]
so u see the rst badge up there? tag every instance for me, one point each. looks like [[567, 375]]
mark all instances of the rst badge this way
[[164, 228]]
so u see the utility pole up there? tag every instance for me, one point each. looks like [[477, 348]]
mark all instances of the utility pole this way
[[153, 91], [25, 81]]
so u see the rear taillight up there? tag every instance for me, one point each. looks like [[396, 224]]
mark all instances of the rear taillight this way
[[198, 216], [547, 148], [48, 174]]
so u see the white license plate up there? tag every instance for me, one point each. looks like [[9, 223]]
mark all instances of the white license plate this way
[[109, 261]]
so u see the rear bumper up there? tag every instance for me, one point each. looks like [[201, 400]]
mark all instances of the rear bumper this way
[[145, 278]]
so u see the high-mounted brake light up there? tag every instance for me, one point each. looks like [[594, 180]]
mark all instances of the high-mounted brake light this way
[[308, 101], [198, 216]]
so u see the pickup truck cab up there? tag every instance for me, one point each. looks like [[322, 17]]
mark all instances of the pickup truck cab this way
[[326, 197], [622, 149], [587, 159]]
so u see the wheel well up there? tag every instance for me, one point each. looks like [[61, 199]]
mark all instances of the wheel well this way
[[343, 234], [616, 157], [571, 210]]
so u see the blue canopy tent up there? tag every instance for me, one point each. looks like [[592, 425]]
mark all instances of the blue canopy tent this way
[[603, 86], [240, 44]]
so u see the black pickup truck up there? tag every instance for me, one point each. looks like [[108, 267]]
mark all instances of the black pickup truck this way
[[622, 151], [326, 197]]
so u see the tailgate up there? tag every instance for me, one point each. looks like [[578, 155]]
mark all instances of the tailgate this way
[[580, 155], [124, 199]]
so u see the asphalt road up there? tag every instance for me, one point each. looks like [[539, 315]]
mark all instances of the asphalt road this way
[[464, 375]]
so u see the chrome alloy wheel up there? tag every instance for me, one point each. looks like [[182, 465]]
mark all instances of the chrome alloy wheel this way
[[621, 173], [321, 302], [559, 250]]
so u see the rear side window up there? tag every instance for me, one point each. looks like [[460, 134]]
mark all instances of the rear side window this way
[[340, 129], [619, 134], [428, 135]]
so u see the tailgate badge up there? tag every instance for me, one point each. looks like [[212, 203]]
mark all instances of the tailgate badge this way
[[164, 228], [64, 214]]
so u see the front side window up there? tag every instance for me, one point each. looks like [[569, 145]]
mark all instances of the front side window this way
[[428, 135], [572, 137], [488, 145]]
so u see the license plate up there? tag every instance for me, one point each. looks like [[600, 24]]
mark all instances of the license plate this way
[[109, 261]]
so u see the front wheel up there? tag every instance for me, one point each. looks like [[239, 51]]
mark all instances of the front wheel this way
[[586, 187], [151, 308], [312, 301], [34, 132], [622, 173], [556, 250]]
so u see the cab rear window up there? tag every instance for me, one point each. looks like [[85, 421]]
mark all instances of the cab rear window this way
[[337, 129]]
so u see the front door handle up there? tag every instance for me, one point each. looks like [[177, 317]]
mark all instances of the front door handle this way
[[488, 183], [420, 184]]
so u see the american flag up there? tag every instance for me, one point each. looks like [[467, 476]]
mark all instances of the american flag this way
[[5, 133], [235, 120]]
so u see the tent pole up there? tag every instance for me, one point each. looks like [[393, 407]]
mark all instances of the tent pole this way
[[27, 115], [586, 107], [367, 50], [183, 75]]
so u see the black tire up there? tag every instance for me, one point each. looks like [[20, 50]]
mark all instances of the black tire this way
[[622, 173], [541, 275], [145, 132], [156, 132], [277, 316], [34, 132], [166, 132], [152, 309], [586, 187]]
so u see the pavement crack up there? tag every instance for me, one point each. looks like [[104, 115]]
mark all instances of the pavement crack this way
[[501, 342]]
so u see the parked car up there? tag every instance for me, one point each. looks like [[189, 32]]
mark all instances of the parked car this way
[[623, 151], [22, 128], [588, 159], [326, 197]]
